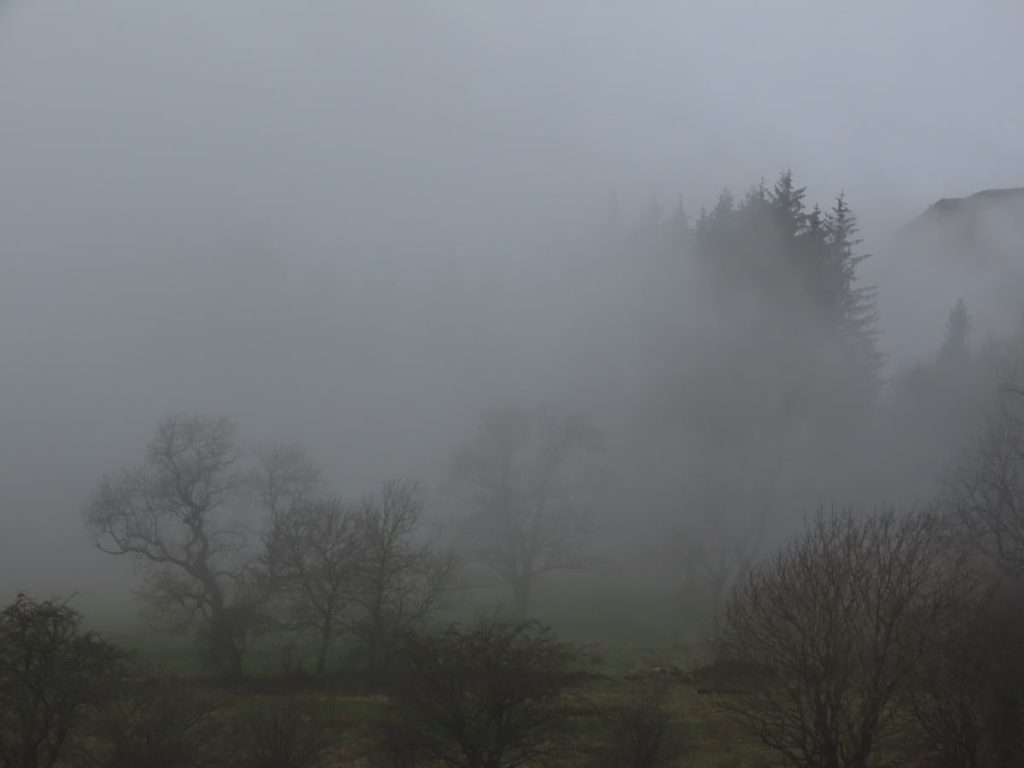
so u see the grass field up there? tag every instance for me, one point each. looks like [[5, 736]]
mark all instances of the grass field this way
[[625, 637]]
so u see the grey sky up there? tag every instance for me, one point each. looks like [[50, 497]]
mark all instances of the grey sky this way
[[342, 116], [156, 155]]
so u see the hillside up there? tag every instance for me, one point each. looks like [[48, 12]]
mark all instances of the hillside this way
[[963, 247]]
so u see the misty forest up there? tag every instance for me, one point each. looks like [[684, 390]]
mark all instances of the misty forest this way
[[487, 385]]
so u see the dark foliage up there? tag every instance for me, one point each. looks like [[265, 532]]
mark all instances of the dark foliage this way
[[488, 696], [51, 673], [157, 725], [640, 732], [285, 733]]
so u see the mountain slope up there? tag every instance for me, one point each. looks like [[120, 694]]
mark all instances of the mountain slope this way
[[965, 247]]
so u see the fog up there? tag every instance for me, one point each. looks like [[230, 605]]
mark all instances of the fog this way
[[357, 225]]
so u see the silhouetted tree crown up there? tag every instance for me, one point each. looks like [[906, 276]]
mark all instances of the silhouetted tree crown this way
[[800, 266], [956, 342]]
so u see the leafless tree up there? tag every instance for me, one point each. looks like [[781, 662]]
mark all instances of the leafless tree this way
[[714, 552], [839, 621], [988, 490], [966, 699], [526, 478], [315, 548], [50, 673], [285, 477], [172, 514], [401, 575]]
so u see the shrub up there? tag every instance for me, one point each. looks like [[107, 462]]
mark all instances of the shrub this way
[[51, 673], [489, 696], [154, 725], [286, 733]]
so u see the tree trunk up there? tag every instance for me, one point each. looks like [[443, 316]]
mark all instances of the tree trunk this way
[[521, 589], [225, 650], [326, 636]]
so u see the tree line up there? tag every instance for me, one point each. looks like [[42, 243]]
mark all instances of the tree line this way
[[237, 545], [866, 637]]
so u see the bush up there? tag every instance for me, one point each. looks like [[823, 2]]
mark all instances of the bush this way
[[154, 725], [484, 697], [51, 673], [835, 627], [286, 733], [640, 733], [398, 743], [967, 697]]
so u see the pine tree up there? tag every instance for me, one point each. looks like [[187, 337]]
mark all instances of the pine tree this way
[[756, 197], [805, 264], [787, 205], [725, 207], [679, 225], [754, 217], [802, 267], [716, 227], [853, 305], [956, 344], [813, 263]]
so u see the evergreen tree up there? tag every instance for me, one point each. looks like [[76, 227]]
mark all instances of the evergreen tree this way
[[853, 305], [716, 227], [678, 234], [800, 266], [756, 198], [754, 222], [787, 205], [956, 344], [813, 265]]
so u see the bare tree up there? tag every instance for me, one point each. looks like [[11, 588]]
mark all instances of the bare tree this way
[[726, 511], [172, 515], [50, 673], [401, 575], [988, 491], [966, 699], [285, 477], [716, 550], [526, 477], [838, 621], [316, 552]]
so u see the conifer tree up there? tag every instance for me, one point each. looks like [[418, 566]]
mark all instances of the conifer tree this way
[[716, 227], [854, 305], [787, 205], [956, 343], [803, 265]]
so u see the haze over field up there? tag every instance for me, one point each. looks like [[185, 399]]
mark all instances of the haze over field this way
[[356, 225]]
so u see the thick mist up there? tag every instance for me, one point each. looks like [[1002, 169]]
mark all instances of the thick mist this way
[[357, 225]]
